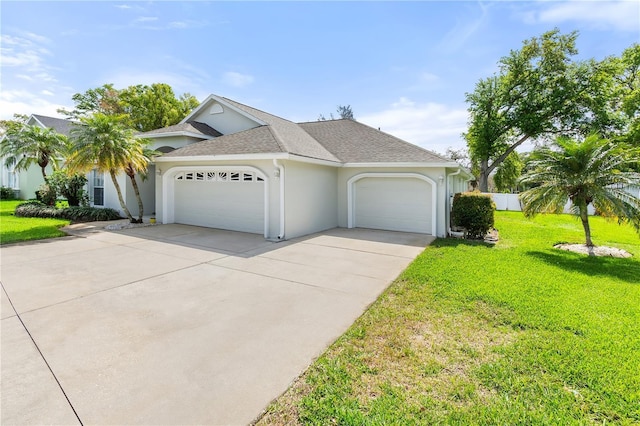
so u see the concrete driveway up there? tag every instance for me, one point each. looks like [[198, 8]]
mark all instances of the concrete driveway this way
[[176, 324]]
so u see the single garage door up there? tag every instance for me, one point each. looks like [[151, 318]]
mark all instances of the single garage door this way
[[394, 204], [220, 199]]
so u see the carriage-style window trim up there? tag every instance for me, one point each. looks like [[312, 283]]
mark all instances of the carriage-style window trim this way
[[217, 176]]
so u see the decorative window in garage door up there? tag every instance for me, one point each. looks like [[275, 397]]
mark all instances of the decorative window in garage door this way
[[213, 176]]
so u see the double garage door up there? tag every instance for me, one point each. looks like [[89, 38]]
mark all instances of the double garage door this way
[[394, 204], [232, 200]]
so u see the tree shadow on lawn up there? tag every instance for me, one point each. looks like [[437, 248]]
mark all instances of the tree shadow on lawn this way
[[455, 242], [623, 269]]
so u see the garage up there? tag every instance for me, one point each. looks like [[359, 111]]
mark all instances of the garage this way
[[225, 199], [395, 203]]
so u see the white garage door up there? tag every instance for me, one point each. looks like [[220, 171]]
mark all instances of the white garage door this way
[[394, 204], [225, 200]]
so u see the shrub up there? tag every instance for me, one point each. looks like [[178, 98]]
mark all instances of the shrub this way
[[7, 193], [474, 212], [47, 194], [70, 186], [74, 213]]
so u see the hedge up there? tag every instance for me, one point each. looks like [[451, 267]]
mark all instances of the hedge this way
[[75, 214]]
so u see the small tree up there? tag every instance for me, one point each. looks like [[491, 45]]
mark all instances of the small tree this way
[[586, 173], [70, 186]]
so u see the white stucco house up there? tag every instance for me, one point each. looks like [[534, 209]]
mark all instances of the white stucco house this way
[[231, 166]]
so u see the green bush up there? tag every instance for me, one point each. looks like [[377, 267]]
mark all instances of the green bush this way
[[7, 193], [47, 194], [70, 186], [73, 213], [473, 211]]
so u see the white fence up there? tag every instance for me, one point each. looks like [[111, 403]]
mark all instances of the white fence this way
[[512, 202]]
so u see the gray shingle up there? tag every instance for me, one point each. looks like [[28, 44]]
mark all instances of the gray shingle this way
[[253, 141], [60, 125], [354, 142], [291, 137]]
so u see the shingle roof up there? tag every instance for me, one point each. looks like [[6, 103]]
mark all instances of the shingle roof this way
[[289, 135], [60, 125], [190, 126], [340, 141], [253, 141], [354, 142]]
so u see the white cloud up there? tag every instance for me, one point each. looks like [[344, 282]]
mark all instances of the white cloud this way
[[618, 15], [146, 19], [237, 79], [430, 125], [24, 102], [47, 92], [464, 29], [123, 6]]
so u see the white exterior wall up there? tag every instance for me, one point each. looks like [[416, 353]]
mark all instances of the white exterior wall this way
[[311, 198], [30, 180], [111, 195], [168, 170], [434, 174], [147, 190]]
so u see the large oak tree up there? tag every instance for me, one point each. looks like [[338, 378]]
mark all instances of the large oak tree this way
[[540, 92]]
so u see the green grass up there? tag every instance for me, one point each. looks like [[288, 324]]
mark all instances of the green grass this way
[[516, 333], [14, 229]]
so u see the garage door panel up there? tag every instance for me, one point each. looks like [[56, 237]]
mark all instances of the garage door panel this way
[[236, 206], [396, 204]]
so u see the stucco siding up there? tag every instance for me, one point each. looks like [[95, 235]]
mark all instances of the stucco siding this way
[[433, 174], [311, 198]]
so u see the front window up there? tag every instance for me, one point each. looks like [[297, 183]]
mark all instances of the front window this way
[[96, 187]]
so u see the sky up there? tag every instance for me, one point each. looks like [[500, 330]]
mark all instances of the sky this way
[[403, 67]]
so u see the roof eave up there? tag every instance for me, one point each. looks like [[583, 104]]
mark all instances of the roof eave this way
[[402, 164], [174, 134]]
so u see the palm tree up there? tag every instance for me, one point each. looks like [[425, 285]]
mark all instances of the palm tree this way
[[593, 171], [102, 142], [26, 145], [138, 163]]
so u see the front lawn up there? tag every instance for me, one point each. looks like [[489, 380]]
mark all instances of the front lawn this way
[[14, 229], [516, 333]]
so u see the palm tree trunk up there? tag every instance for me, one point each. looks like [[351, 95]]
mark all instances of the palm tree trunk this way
[[137, 192], [584, 216], [122, 203]]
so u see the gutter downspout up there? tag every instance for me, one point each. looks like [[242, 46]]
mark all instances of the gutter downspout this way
[[449, 199], [280, 168]]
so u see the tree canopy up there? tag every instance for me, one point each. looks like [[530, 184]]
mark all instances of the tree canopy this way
[[344, 112], [540, 92], [103, 142], [142, 107]]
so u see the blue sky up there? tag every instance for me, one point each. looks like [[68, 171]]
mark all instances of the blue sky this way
[[402, 66]]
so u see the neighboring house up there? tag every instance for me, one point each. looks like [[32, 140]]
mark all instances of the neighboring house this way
[[231, 166], [25, 183], [101, 192]]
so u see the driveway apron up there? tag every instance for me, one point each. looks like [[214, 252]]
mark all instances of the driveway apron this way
[[175, 324]]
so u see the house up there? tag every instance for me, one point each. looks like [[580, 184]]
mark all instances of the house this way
[[228, 165], [25, 183], [102, 193], [231, 166]]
